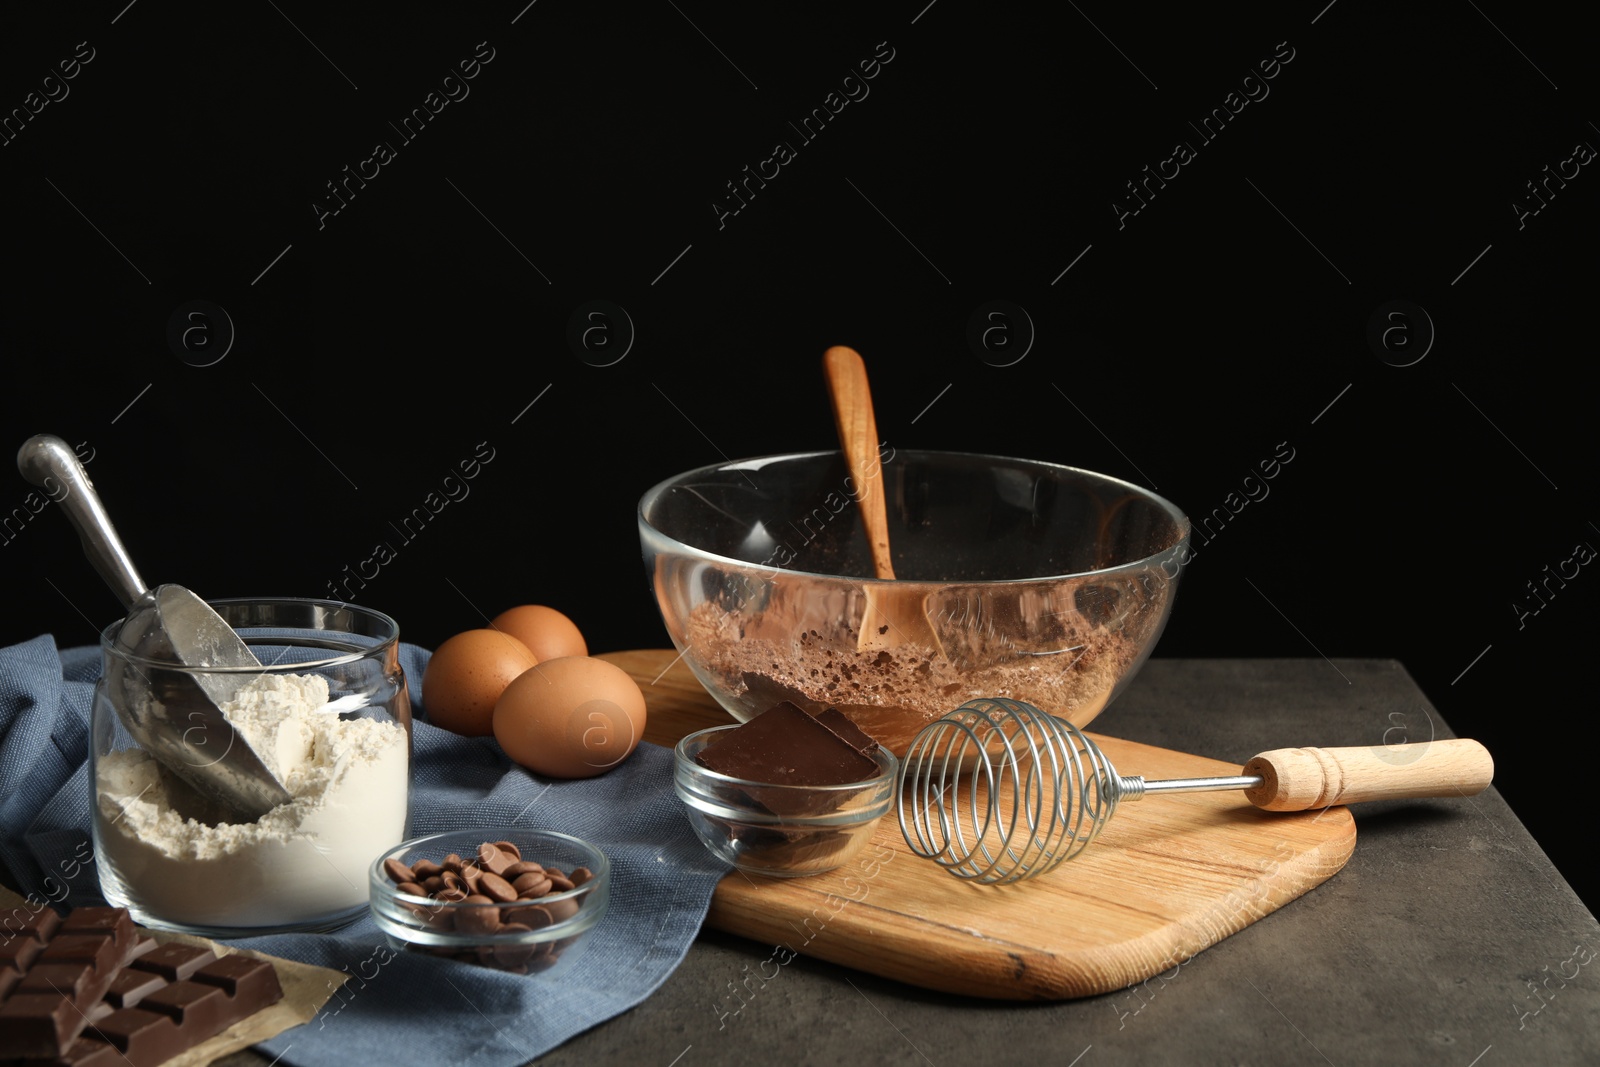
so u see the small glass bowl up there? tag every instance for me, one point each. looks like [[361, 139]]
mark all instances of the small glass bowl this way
[[781, 831], [474, 932]]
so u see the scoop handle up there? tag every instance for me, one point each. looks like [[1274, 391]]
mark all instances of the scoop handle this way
[[49, 463], [1298, 779], [858, 437]]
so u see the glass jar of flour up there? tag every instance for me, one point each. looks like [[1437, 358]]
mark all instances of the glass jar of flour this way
[[328, 713]]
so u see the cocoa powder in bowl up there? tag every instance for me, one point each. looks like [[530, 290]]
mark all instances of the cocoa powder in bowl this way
[[891, 694]]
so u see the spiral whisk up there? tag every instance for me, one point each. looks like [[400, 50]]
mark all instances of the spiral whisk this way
[[998, 791]]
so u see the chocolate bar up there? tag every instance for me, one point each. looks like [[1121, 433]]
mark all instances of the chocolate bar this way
[[164, 1003], [54, 971]]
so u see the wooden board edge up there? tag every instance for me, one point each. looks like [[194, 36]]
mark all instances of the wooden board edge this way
[[1178, 944], [852, 933]]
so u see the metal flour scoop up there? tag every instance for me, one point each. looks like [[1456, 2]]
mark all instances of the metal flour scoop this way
[[173, 713]]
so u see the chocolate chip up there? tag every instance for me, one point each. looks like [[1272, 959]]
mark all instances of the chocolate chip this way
[[531, 885], [508, 847], [398, 872], [514, 955], [534, 916], [496, 888], [561, 910], [478, 920], [559, 882], [491, 858], [521, 867], [580, 875]]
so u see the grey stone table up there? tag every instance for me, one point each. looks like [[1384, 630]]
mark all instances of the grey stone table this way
[[1448, 938]]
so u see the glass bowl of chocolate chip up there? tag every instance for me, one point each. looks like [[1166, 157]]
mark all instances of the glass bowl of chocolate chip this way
[[509, 898], [1011, 578], [786, 794]]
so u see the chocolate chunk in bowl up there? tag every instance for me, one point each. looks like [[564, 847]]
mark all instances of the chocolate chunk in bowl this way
[[783, 795], [785, 746]]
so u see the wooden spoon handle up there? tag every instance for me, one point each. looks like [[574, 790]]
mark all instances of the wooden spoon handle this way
[[858, 437], [1298, 779]]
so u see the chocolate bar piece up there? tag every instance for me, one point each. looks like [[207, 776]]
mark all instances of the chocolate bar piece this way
[[165, 1003], [785, 746], [53, 972], [848, 731]]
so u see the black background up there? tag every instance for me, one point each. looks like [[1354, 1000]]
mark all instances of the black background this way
[[375, 350]]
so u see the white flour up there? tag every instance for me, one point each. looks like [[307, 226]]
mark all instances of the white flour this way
[[304, 860]]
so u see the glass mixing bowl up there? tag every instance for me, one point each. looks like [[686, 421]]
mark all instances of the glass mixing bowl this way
[[1039, 582]]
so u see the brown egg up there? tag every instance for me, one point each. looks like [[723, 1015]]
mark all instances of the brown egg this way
[[573, 717], [547, 633], [466, 675]]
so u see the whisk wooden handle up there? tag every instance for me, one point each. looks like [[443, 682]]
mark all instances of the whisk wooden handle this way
[[1297, 779]]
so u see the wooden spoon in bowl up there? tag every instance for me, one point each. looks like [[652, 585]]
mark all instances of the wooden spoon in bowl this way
[[893, 617]]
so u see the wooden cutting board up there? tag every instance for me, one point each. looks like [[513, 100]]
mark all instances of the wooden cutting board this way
[[1168, 876]]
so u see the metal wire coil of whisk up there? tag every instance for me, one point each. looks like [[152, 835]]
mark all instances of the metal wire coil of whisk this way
[[998, 791], [1061, 788]]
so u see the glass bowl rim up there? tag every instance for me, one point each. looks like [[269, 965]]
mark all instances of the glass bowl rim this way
[[108, 639], [1176, 514], [886, 774]]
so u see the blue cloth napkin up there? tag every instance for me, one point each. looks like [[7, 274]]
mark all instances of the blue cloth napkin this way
[[414, 1008]]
